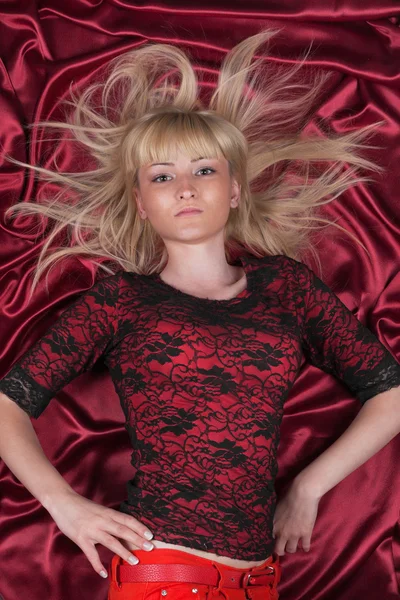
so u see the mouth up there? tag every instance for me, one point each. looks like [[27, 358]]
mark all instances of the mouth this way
[[188, 211]]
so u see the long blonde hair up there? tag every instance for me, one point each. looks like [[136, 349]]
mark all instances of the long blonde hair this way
[[143, 112]]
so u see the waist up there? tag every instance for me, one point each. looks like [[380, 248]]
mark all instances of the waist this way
[[214, 531], [225, 560], [164, 567]]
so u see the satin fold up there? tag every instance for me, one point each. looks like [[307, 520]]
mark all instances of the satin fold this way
[[355, 550]]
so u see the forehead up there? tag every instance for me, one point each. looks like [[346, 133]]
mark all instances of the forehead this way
[[172, 139]]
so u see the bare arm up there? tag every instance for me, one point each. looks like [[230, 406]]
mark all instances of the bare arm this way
[[83, 521], [21, 451], [376, 424]]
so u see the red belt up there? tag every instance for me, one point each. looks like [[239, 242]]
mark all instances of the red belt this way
[[195, 574]]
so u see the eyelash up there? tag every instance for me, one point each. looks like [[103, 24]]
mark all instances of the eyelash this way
[[163, 175]]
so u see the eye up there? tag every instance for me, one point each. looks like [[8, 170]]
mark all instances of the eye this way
[[207, 169], [158, 177]]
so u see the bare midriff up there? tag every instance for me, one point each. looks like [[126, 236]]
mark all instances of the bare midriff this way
[[230, 562]]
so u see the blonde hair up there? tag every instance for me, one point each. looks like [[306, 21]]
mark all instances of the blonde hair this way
[[142, 113]]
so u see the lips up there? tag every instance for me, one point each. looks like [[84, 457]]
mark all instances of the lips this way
[[189, 211]]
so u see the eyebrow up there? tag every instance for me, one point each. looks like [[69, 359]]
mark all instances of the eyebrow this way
[[172, 164]]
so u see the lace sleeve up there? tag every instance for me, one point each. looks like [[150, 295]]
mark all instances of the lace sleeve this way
[[84, 332], [338, 343]]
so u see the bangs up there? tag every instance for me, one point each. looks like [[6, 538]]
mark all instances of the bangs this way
[[170, 133]]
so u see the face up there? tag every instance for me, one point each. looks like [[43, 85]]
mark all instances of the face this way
[[205, 184]]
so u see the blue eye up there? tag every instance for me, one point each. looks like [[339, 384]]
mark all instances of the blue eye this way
[[156, 179]]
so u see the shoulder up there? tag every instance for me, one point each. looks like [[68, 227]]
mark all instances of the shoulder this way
[[279, 265], [107, 284], [286, 276], [104, 292]]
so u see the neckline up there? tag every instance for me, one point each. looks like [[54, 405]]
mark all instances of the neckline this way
[[245, 293]]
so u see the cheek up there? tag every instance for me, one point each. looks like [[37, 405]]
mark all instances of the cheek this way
[[217, 194], [155, 203]]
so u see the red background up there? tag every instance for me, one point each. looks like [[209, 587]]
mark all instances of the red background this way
[[45, 45]]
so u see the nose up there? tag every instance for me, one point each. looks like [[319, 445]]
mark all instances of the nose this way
[[186, 190], [186, 194]]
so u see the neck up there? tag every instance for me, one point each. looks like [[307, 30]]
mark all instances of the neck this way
[[200, 265]]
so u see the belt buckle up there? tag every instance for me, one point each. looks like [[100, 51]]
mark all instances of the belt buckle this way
[[248, 579]]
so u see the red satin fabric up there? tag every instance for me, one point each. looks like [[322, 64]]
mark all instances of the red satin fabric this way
[[355, 550]]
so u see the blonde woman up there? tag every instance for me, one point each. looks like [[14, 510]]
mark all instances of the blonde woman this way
[[202, 325]]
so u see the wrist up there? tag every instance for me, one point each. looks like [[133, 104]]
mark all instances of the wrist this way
[[305, 486], [50, 500]]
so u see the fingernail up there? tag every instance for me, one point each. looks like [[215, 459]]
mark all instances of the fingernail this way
[[148, 546], [133, 560], [148, 535], [103, 574]]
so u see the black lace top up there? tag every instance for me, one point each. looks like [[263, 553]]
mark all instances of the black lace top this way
[[202, 384]]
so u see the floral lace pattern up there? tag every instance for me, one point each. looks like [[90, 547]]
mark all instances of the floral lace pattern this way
[[202, 384]]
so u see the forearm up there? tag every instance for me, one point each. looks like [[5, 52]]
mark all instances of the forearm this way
[[22, 453], [375, 425]]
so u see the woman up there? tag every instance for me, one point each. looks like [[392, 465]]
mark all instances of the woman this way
[[203, 328]]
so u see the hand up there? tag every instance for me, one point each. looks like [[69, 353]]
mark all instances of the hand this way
[[87, 523], [294, 520]]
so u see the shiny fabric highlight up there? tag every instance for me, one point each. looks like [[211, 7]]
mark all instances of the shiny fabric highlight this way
[[355, 549]]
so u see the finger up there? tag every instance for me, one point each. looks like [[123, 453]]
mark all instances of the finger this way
[[306, 543], [115, 546], [132, 523], [291, 545], [280, 546], [94, 559], [121, 531]]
